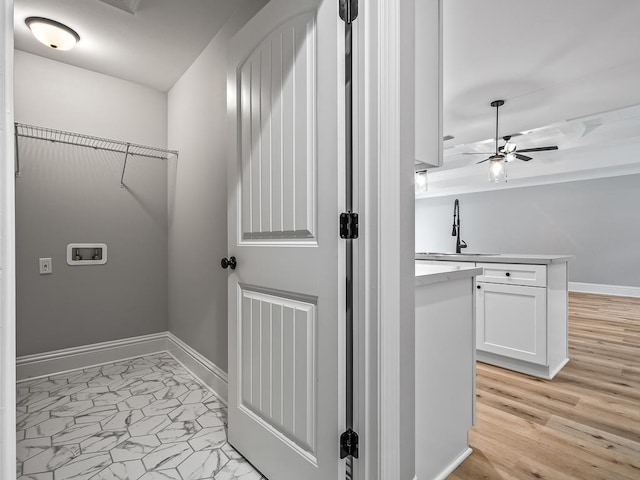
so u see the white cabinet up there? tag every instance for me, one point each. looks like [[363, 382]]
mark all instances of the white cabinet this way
[[521, 310], [521, 315], [444, 375], [512, 321], [427, 131]]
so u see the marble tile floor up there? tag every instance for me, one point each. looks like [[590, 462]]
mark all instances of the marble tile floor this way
[[145, 418]]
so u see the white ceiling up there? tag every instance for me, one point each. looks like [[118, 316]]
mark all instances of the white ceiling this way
[[596, 146], [550, 60], [569, 72], [153, 47]]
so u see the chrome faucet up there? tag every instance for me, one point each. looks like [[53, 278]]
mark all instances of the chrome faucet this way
[[460, 244]]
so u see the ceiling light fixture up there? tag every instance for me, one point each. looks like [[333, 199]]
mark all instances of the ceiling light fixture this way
[[421, 181], [507, 153], [52, 34]]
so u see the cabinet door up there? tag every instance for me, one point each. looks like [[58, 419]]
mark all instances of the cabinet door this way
[[512, 321], [427, 83]]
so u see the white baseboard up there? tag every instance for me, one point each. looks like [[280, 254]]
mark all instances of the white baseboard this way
[[618, 290], [452, 466], [58, 361], [528, 368], [559, 367], [68, 359], [209, 373]]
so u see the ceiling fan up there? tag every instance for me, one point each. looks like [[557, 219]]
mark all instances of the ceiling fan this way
[[509, 151]]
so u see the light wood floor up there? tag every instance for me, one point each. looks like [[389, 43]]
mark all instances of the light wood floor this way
[[582, 425]]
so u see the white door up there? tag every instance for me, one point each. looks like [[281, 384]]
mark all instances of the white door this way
[[286, 300], [512, 321]]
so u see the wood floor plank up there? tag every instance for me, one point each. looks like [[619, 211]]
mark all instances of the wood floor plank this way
[[515, 408], [528, 468], [584, 424], [605, 440], [576, 452]]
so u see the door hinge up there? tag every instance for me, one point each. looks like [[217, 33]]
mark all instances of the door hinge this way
[[349, 444], [349, 225], [348, 10]]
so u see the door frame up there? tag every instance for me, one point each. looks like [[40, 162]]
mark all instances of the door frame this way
[[385, 147], [7, 250], [384, 254]]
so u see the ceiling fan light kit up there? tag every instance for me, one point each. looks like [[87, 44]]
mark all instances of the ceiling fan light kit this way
[[497, 171]]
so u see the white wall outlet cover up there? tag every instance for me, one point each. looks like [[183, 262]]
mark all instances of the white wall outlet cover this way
[[45, 266]]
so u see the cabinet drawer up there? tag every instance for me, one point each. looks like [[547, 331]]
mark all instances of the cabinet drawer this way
[[514, 274]]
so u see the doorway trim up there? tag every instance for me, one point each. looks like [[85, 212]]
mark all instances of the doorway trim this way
[[386, 189], [7, 251], [386, 391]]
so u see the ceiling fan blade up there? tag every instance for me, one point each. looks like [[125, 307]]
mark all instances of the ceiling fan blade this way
[[538, 149], [485, 160], [522, 157]]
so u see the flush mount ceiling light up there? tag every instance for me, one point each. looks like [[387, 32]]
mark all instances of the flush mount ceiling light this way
[[52, 34]]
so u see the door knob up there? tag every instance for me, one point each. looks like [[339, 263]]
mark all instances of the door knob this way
[[228, 262]]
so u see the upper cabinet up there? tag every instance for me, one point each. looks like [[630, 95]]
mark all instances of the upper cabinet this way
[[428, 83]]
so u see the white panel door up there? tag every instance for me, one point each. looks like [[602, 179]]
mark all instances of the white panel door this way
[[285, 297], [512, 321]]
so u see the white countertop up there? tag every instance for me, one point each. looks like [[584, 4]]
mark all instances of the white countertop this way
[[533, 259], [428, 274]]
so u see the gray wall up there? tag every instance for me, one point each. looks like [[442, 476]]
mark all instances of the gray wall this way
[[198, 198], [54, 94], [595, 220], [72, 194]]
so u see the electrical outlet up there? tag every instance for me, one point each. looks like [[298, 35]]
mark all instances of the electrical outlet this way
[[45, 266]]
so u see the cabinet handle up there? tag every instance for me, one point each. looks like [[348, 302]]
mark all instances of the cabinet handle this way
[[508, 274], [478, 287]]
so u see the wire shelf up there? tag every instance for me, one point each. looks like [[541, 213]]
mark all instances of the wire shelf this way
[[89, 141], [98, 143]]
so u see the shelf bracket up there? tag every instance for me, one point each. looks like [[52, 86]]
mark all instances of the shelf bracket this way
[[124, 167], [17, 153]]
